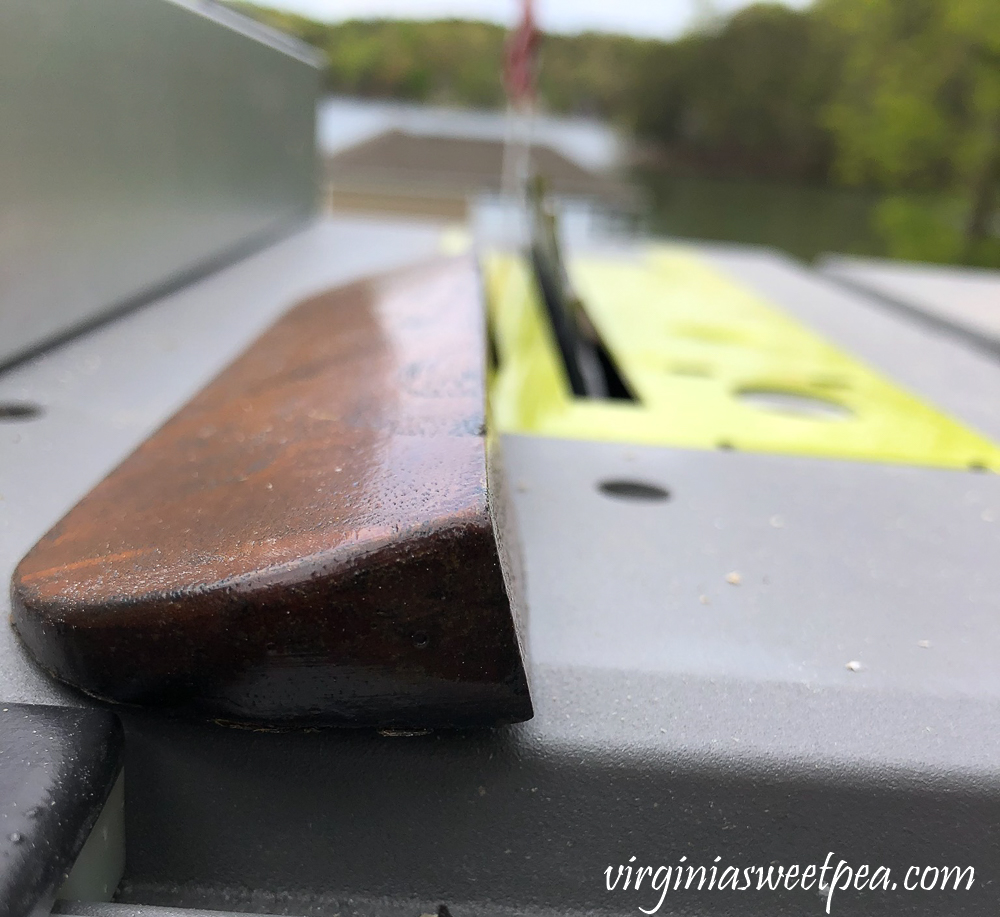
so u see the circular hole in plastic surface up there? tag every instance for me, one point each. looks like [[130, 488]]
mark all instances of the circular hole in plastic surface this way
[[635, 491], [19, 410], [796, 404]]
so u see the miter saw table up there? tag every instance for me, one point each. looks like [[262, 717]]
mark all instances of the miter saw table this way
[[754, 656], [759, 546]]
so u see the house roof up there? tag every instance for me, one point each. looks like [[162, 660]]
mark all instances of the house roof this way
[[398, 161]]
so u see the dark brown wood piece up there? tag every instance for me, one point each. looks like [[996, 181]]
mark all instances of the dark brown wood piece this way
[[308, 541]]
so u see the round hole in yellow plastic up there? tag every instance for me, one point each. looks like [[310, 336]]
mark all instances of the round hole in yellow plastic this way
[[798, 404]]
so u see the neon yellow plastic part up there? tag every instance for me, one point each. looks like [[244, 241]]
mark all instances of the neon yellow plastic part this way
[[711, 365]]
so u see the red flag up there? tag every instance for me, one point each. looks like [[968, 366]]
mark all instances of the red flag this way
[[519, 62]]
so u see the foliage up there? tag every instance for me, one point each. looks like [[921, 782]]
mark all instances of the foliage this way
[[446, 62], [917, 107], [920, 228], [901, 96], [741, 100], [461, 62], [744, 98]]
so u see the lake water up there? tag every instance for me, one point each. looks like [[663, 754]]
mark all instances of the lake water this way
[[803, 221]]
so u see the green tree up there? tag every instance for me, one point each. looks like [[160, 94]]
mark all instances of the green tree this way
[[591, 73], [743, 98], [918, 110]]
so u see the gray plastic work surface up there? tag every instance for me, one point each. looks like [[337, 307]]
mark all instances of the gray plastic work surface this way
[[664, 727], [966, 298], [668, 725]]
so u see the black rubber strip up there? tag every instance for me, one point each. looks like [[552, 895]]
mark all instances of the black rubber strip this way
[[965, 334], [57, 767]]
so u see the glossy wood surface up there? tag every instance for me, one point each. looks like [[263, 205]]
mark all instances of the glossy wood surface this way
[[311, 539]]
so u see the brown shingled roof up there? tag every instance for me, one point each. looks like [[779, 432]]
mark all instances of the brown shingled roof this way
[[398, 161]]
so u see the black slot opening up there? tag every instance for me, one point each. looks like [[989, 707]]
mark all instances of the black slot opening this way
[[590, 368], [492, 351], [617, 387]]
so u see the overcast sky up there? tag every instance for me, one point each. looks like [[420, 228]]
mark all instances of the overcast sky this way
[[658, 18]]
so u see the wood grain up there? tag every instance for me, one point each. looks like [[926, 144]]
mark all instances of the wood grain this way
[[311, 539]]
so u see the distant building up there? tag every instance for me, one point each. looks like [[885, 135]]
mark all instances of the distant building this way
[[447, 176], [343, 122]]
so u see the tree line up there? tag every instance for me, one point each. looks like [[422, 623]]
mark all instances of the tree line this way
[[899, 96]]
